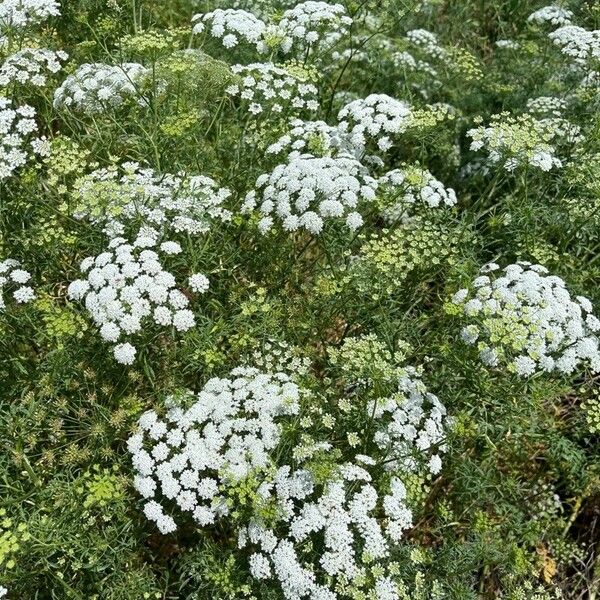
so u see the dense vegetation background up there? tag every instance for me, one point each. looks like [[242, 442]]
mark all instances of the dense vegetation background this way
[[514, 511]]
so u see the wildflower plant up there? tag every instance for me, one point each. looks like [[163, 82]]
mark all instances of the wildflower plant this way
[[231, 26], [95, 87], [118, 197], [247, 347], [127, 286], [310, 24], [31, 65], [17, 280], [554, 15], [223, 438], [526, 318], [311, 137], [411, 186], [412, 251], [578, 43], [307, 190], [207, 448], [18, 143], [376, 119], [517, 142], [265, 87], [18, 14]]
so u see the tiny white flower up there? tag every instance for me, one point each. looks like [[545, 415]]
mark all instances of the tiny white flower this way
[[124, 353]]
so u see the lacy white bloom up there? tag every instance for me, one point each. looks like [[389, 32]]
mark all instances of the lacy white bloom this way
[[507, 44], [14, 278], [30, 65], [199, 283], [525, 318], [563, 131], [231, 433], [231, 26], [114, 197], [520, 141], [412, 186], [312, 137], [344, 513], [154, 512], [306, 191], [192, 455], [16, 147], [591, 80], [408, 63], [126, 287], [22, 13], [267, 87], [310, 23], [377, 118], [124, 353], [404, 60], [580, 44], [427, 42], [260, 567], [555, 15], [544, 106], [410, 423], [94, 87]]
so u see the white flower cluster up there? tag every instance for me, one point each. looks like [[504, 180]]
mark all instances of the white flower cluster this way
[[194, 454], [548, 111], [312, 137], [362, 120], [555, 15], [413, 186], [199, 283], [353, 54], [427, 42], [376, 118], [324, 175], [30, 65], [231, 26], [518, 142], [12, 275], [267, 87], [525, 318], [345, 513], [416, 65], [16, 125], [358, 517], [177, 202], [546, 106], [126, 286], [305, 26], [507, 44], [591, 80], [406, 61], [582, 45], [307, 190], [563, 131], [21, 13], [311, 22], [94, 87], [231, 433], [410, 423]]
